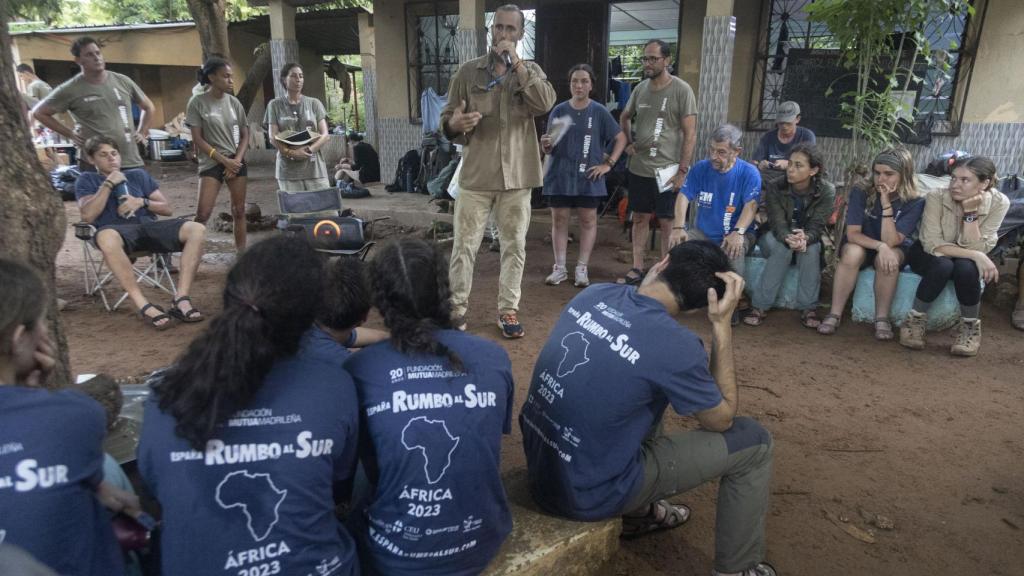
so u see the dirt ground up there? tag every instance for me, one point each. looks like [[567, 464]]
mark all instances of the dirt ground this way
[[929, 442]]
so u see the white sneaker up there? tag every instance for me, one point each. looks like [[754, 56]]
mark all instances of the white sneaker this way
[[557, 276], [582, 280]]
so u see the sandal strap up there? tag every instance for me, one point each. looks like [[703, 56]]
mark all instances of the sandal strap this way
[[180, 299]]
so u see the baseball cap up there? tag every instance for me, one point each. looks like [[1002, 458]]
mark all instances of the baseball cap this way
[[787, 112]]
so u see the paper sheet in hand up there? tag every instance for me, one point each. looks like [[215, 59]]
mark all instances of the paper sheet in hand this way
[[557, 130], [664, 177], [296, 138]]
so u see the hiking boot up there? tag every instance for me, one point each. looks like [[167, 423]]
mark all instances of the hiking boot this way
[[912, 330], [557, 276], [582, 280], [968, 338], [762, 569], [510, 326]]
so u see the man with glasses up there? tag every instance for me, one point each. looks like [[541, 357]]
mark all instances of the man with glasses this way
[[660, 122], [492, 102], [727, 191]]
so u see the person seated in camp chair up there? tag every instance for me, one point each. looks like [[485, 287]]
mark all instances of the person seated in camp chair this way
[[123, 206]]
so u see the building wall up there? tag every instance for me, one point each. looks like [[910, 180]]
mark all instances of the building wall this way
[[396, 133], [175, 46], [997, 87]]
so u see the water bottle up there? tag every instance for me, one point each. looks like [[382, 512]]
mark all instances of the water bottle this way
[[120, 193]]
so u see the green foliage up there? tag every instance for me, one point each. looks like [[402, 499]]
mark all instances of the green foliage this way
[[138, 11], [864, 31]]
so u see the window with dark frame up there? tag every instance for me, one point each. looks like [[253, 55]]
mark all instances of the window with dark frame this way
[[788, 28], [431, 48]]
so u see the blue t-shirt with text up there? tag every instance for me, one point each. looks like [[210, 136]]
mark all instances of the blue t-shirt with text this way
[[593, 130], [720, 197], [259, 498], [614, 361], [906, 215], [432, 448], [51, 461], [772, 150], [140, 184]]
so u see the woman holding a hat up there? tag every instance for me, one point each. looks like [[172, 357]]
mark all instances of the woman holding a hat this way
[[881, 224]]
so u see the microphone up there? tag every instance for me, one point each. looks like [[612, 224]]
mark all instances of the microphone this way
[[507, 59]]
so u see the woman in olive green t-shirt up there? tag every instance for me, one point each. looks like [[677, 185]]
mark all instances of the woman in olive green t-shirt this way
[[221, 136], [300, 167]]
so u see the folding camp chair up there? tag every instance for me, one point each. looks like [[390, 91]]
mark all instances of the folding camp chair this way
[[150, 268], [317, 215]]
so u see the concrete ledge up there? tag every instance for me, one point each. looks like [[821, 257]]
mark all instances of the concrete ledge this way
[[542, 545]]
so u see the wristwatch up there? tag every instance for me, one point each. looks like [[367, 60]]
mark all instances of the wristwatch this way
[[145, 203], [970, 217], [741, 230]]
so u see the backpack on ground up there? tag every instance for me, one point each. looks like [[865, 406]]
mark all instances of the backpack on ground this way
[[435, 155], [406, 174]]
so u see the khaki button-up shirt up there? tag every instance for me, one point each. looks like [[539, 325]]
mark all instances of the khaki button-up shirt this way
[[942, 222], [502, 151]]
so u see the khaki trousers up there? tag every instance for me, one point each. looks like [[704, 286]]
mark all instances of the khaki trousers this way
[[512, 215]]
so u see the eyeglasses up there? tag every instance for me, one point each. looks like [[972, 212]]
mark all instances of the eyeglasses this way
[[651, 59]]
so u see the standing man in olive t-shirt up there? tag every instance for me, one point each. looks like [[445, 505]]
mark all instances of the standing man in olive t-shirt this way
[[100, 101], [660, 122]]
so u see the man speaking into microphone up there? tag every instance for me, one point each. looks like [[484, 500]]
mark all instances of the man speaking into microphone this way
[[492, 101]]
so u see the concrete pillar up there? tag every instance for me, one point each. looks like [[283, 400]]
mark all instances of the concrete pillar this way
[[471, 38], [368, 62], [717, 46], [284, 48]]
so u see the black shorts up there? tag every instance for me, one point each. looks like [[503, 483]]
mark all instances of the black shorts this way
[[645, 198], [563, 201], [158, 236], [869, 258], [218, 172]]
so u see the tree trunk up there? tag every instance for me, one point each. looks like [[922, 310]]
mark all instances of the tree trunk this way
[[212, 24], [254, 77], [32, 219]]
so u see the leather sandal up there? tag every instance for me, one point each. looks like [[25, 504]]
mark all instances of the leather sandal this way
[[809, 318], [883, 330], [155, 321], [829, 324], [633, 278], [755, 317], [671, 516], [193, 314]]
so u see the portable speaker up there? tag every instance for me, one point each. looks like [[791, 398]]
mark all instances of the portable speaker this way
[[330, 232]]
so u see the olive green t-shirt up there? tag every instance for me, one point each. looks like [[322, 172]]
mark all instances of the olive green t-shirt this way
[[221, 119], [38, 89], [104, 108], [306, 115], [656, 117]]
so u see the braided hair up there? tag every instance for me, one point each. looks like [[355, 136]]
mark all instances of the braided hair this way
[[409, 282]]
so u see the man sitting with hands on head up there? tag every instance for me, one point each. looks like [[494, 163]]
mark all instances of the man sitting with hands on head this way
[[123, 206], [592, 421]]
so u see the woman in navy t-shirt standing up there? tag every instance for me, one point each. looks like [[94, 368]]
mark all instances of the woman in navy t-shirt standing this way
[[575, 175], [433, 403], [246, 439]]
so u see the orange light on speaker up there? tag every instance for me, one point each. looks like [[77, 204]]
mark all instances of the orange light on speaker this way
[[326, 228]]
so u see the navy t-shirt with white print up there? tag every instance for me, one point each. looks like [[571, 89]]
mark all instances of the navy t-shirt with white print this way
[[51, 461], [259, 498], [614, 361], [432, 448]]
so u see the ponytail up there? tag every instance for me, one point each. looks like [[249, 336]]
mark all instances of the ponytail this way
[[270, 300], [211, 66]]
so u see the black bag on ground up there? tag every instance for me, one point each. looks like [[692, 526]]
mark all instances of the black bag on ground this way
[[406, 174], [435, 155], [63, 180]]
